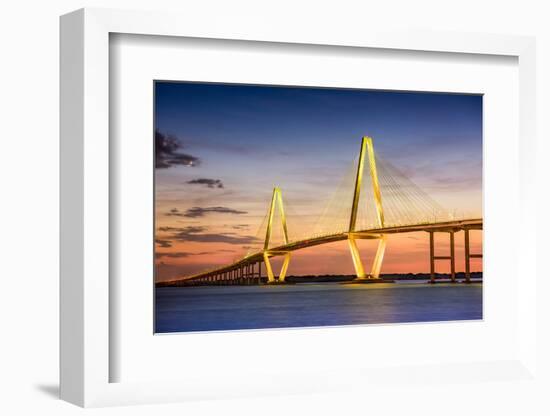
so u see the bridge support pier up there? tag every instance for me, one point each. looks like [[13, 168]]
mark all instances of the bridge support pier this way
[[357, 263], [468, 255], [378, 258], [282, 274], [452, 244], [450, 257]]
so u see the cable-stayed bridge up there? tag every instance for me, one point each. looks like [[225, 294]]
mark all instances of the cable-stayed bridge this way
[[365, 206]]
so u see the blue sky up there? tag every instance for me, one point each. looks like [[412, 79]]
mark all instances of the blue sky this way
[[249, 138]]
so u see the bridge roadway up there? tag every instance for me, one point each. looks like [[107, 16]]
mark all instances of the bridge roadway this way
[[245, 272]]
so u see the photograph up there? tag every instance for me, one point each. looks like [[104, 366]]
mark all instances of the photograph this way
[[253, 208], [286, 206]]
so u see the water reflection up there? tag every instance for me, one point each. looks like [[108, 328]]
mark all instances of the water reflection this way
[[304, 305]]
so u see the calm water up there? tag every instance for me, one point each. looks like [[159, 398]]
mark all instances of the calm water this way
[[301, 305]]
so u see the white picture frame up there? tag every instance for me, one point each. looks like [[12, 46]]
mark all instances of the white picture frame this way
[[85, 211]]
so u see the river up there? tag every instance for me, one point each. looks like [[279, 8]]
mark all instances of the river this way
[[183, 309]]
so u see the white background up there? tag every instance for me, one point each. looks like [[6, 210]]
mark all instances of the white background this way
[[28, 212]]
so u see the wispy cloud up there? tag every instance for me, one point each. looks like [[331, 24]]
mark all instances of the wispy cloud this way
[[197, 234], [173, 255], [163, 243], [240, 226], [197, 212], [174, 212], [168, 154], [209, 183], [182, 254]]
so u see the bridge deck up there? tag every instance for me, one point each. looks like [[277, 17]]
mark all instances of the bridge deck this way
[[446, 226]]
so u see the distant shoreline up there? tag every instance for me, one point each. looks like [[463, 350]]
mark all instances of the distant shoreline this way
[[349, 278], [388, 276]]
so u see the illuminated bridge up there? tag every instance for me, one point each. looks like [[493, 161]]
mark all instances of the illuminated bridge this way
[[374, 206]]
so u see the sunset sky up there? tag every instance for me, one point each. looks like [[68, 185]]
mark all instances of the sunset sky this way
[[221, 148]]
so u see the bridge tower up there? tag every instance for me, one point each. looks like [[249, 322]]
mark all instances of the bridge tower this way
[[367, 150], [276, 202]]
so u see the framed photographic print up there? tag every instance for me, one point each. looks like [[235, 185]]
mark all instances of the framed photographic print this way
[[222, 228], [320, 211]]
